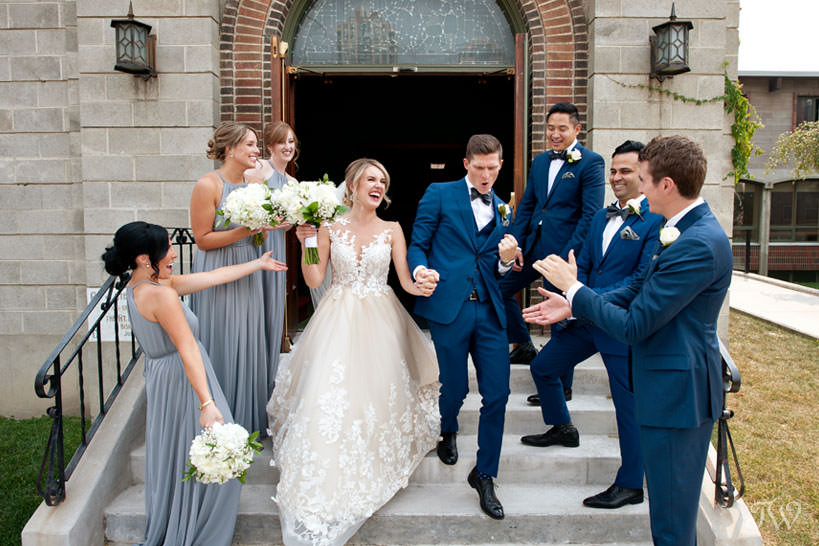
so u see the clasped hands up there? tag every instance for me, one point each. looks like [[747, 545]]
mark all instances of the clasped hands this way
[[554, 307], [426, 280]]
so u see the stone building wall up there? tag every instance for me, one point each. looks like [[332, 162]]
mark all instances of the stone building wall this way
[[84, 149]]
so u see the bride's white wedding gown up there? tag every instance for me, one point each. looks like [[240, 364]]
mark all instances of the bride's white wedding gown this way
[[355, 409]]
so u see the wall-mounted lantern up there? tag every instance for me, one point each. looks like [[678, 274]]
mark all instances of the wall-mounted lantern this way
[[669, 47], [136, 48]]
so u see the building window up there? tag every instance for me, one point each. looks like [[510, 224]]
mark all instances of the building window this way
[[419, 33], [795, 211], [806, 109]]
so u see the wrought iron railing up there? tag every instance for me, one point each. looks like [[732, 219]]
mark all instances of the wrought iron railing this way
[[73, 349], [724, 491]]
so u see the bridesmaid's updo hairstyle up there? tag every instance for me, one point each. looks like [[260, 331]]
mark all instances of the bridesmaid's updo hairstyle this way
[[353, 174], [134, 239], [228, 134], [276, 132]]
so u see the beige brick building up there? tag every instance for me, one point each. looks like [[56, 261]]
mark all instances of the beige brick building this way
[[84, 149]]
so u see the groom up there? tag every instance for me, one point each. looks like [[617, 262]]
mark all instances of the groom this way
[[669, 317], [459, 239]]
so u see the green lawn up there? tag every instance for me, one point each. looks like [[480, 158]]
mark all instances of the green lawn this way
[[22, 444]]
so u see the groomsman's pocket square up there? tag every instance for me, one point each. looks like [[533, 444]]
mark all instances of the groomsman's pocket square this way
[[567, 175], [629, 234]]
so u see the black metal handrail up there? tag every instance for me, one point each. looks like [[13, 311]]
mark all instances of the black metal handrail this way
[[49, 381], [724, 491]]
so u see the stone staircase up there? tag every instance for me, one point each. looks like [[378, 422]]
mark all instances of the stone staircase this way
[[541, 488]]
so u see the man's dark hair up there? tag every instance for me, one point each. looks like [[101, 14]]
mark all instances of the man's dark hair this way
[[483, 145], [565, 108], [628, 146], [680, 159]]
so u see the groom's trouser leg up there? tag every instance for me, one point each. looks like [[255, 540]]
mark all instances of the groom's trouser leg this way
[[452, 349], [490, 355], [674, 460], [630, 474], [565, 349]]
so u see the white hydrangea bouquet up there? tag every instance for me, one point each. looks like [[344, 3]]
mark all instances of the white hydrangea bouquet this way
[[220, 453], [307, 203], [246, 206]]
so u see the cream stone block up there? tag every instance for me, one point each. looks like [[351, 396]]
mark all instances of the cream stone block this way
[[46, 271], [635, 59], [106, 114], [36, 68], [92, 87], [19, 197], [202, 113], [176, 195], [21, 298], [166, 217], [94, 31], [96, 58], [604, 59], [107, 220], [49, 221], [96, 194], [201, 59], [11, 323], [136, 195], [9, 274], [19, 145], [207, 8], [18, 42], [185, 31], [41, 15], [60, 298], [168, 167], [620, 31], [54, 146], [160, 114], [52, 93], [189, 87], [128, 141], [170, 58], [121, 86], [22, 247], [191, 141], [42, 171], [94, 141], [51, 41], [47, 322], [107, 168], [118, 9], [18, 94]]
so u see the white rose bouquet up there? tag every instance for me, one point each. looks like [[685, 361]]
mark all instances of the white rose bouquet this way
[[307, 203], [221, 453], [246, 206]]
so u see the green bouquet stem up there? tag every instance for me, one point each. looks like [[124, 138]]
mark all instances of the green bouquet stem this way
[[258, 239], [311, 255]]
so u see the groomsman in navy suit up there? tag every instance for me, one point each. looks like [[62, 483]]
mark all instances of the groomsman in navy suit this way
[[669, 317], [565, 188], [459, 238], [621, 241]]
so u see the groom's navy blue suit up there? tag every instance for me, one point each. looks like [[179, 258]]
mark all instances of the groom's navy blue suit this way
[[445, 238], [619, 265], [551, 222], [669, 317]]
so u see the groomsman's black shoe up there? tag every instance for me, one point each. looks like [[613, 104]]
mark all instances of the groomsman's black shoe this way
[[614, 497], [559, 435], [524, 353], [534, 399], [486, 491], [447, 448]]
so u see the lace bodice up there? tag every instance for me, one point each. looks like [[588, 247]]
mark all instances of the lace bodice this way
[[365, 270]]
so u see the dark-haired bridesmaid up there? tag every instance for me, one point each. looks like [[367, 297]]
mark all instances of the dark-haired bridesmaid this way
[[181, 389]]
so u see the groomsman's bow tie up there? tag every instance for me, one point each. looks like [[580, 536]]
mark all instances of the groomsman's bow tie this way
[[485, 197], [613, 210], [554, 154]]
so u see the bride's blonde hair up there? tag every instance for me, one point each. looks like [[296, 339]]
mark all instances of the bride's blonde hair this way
[[353, 174]]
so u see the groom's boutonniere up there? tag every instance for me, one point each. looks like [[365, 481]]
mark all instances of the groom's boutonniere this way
[[504, 210], [668, 235], [634, 206], [574, 156]]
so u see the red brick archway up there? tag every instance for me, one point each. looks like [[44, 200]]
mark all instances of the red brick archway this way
[[558, 58]]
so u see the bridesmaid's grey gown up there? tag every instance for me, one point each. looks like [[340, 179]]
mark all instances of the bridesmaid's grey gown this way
[[232, 328], [178, 513], [275, 285]]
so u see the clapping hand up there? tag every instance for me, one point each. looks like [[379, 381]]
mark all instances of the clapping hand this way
[[558, 271], [269, 264], [508, 248], [426, 280], [553, 308]]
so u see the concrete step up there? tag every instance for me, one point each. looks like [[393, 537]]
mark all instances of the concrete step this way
[[595, 462], [590, 377], [433, 514]]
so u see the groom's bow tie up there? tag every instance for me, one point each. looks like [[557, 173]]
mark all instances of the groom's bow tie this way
[[554, 154], [613, 210], [485, 197]]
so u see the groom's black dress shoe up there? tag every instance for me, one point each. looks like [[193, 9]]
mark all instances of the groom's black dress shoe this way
[[614, 497], [486, 491], [447, 448], [524, 353], [564, 435], [534, 399]]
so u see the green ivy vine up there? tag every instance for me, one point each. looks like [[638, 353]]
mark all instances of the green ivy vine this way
[[746, 119]]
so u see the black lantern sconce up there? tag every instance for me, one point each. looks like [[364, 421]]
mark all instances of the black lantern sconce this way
[[669, 47], [136, 48]]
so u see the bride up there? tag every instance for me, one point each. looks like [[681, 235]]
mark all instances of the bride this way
[[355, 409]]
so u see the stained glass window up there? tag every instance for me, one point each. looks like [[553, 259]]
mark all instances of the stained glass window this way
[[407, 33]]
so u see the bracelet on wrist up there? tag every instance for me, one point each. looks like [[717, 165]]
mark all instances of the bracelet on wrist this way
[[510, 263], [203, 405]]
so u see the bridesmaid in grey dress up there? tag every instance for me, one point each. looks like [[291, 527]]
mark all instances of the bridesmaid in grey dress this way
[[283, 147], [179, 379], [231, 316]]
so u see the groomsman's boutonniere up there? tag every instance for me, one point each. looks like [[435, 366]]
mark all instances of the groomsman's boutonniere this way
[[504, 210], [635, 205], [668, 235], [574, 156]]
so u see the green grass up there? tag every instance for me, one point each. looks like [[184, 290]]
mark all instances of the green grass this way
[[22, 444]]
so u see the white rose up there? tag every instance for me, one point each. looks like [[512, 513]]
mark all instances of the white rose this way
[[668, 235], [574, 155]]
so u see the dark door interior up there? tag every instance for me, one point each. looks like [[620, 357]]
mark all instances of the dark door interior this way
[[416, 125]]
